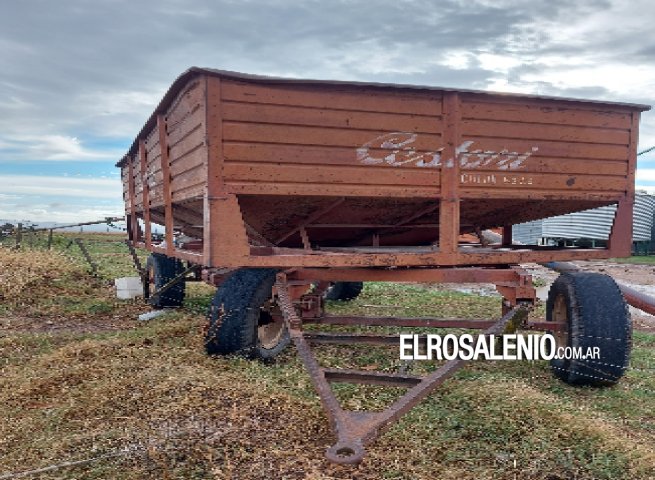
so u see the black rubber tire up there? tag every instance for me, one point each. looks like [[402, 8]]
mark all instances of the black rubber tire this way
[[164, 269], [597, 316], [235, 316], [344, 291]]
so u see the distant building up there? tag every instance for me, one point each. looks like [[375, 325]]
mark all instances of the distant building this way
[[590, 227]]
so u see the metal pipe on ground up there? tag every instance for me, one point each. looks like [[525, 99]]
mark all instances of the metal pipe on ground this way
[[634, 297]]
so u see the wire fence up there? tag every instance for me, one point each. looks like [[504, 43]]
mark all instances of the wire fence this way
[[105, 255]]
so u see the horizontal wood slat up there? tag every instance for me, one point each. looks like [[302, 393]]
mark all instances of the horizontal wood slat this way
[[537, 132], [329, 174], [286, 115], [295, 135], [526, 111], [355, 99]]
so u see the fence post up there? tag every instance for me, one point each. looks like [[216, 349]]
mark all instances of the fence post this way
[[19, 234], [50, 239], [85, 252]]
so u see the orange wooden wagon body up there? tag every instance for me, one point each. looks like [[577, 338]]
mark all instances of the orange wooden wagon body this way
[[288, 173]]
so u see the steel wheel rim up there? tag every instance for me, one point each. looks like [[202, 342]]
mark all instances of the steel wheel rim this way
[[270, 330]]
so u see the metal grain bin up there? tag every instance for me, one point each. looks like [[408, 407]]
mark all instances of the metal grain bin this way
[[594, 224]]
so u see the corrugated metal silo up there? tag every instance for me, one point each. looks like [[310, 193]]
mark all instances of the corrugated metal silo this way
[[594, 224]]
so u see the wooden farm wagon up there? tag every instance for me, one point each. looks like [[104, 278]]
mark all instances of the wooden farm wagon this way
[[279, 190]]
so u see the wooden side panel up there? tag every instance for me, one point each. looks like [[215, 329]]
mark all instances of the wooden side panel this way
[[187, 149], [302, 165], [154, 176], [531, 148], [308, 140], [186, 129]]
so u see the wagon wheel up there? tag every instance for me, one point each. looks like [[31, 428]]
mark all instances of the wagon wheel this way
[[160, 270], [597, 322], [242, 319]]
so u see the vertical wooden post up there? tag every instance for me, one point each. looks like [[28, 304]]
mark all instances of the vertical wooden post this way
[[134, 224], [215, 188], [50, 239], [449, 200], [145, 193], [166, 172], [19, 234], [87, 256], [620, 239], [225, 241]]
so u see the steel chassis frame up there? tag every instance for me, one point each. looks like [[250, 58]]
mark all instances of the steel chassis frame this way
[[356, 429]]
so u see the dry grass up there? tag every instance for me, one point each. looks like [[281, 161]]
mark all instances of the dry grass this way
[[148, 392], [25, 273]]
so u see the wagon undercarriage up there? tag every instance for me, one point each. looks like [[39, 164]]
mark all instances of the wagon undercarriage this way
[[355, 429]]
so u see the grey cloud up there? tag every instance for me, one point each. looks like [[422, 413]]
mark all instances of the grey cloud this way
[[100, 67]]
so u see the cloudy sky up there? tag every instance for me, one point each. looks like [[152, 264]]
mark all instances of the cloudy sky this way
[[79, 77]]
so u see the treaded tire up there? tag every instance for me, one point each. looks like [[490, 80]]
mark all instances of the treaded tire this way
[[235, 316], [597, 316], [162, 269], [344, 291]]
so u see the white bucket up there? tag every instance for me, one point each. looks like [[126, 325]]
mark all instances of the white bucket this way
[[128, 287]]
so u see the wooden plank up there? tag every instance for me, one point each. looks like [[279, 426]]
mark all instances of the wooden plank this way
[[293, 258], [191, 142], [331, 190], [189, 178], [548, 148], [309, 154], [401, 191], [152, 152], [283, 114], [168, 200], [341, 98], [288, 134], [492, 179], [329, 174], [573, 166], [538, 132], [187, 126], [154, 173], [155, 179], [152, 140], [191, 161], [557, 113], [191, 192], [187, 101], [507, 193]]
